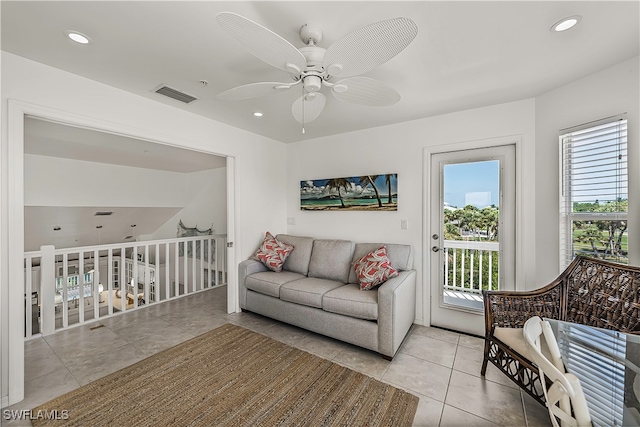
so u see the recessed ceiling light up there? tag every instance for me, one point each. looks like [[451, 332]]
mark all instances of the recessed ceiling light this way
[[257, 114], [566, 23], [78, 37]]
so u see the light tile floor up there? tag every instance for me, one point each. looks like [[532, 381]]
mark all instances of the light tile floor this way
[[441, 367]]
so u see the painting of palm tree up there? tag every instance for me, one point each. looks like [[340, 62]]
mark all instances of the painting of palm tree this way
[[387, 180], [338, 183], [371, 180], [351, 193]]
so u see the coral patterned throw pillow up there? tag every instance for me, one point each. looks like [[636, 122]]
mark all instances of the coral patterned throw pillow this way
[[374, 268], [273, 253]]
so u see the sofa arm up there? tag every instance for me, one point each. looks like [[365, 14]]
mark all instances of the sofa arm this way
[[246, 268], [510, 309], [396, 311]]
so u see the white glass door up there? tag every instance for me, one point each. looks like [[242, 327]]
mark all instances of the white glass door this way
[[472, 233]]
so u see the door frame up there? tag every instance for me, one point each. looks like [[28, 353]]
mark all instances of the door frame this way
[[17, 111], [458, 317], [515, 140]]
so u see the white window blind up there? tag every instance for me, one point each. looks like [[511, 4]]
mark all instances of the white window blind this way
[[594, 191], [598, 358]]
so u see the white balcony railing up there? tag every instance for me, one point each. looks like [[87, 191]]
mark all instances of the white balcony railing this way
[[470, 266], [66, 287]]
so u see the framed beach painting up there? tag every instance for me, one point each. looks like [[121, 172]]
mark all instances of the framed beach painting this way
[[356, 193]]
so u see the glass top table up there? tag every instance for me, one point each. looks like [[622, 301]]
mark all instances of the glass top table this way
[[608, 366]]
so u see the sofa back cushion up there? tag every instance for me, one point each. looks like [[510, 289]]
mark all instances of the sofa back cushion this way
[[401, 256], [331, 259], [298, 259]]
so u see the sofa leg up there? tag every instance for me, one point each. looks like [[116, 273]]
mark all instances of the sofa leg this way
[[385, 357]]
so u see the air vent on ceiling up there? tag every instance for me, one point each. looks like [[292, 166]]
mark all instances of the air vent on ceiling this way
[[102, 213], [128, 237], [174, 93]]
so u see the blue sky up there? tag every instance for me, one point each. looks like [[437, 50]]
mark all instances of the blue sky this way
[[475, 183]]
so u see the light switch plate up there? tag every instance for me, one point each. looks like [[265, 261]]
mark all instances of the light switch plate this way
[[291, 220], [404, 224]]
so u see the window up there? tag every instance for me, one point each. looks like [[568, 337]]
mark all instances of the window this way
[[594, 191], [600, 359]]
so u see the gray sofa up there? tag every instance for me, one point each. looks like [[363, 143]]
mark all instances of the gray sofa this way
[[318, 290]]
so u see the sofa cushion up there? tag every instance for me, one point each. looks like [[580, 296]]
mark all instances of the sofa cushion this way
[[269, 282], [331, 259], [401, 256], [350, 301], [298, 260], [273, 253], [307, 291], [374, 269]]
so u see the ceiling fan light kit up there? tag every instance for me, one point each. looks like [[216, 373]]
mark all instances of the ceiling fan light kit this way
[[313, 66]]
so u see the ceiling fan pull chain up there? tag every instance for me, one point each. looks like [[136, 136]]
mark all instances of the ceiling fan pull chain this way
[[303, 109]]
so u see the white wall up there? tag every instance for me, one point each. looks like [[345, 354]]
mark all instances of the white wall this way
[[207, 192], [53, 181], [399, 149], [612, 91], [259, 166], [268, 172]]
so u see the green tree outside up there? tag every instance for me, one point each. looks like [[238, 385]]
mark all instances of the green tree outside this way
[[472, 224], [605, 239]]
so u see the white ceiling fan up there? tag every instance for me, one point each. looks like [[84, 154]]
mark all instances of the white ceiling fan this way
[[337, 67]]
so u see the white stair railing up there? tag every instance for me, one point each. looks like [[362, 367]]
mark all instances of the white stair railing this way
[[72, 286]]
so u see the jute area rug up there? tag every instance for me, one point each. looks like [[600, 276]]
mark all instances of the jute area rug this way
[[231, 376]]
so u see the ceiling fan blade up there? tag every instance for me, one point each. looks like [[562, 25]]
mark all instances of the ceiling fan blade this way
[[253, 90], [365, 91], [309, 106], [262, 42], [368, 47]]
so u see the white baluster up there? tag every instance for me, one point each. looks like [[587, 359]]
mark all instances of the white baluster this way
[[134, 276], [147, 276], [194, 279], [110, 281], [167, 294], [95, 284], [48, 289], [28, 288], [65, 290], [176, 269], [80, 286]]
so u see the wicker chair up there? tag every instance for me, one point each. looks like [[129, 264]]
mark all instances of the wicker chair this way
[[590, 291]]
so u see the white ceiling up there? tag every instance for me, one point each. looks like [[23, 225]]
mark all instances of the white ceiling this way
[[466, 54], [47, 138]]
